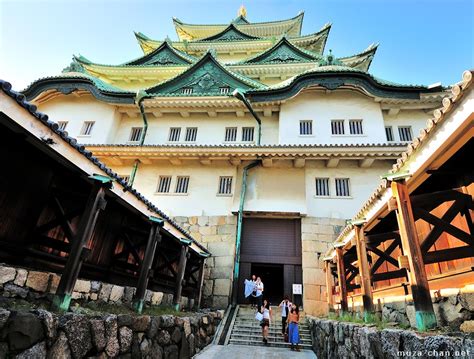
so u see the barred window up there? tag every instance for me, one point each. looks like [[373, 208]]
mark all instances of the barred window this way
[[342, 187], [337, 127], [247, 134], [191, 134], [389, 133], [225, 185], [224, 90], [62, 125], [174, 135], [322, 186], [187, 90], [136, 134], [231, 134], [355, 127], [87, 128], [405, 133], [164, 184], [306, 127], [182, 183]]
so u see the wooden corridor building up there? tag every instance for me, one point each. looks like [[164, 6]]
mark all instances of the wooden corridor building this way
[[62, 210], [415, 234]]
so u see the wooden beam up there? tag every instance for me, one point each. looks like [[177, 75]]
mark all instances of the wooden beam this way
[[114, 160], [332, 163], [364, 270], [376, 239], [205, 161], [299, 162], [153, 239], [179, 278], [366, 162], [95, 203], [267, 162], [399, 273], [449, 254], [425, 317], [329, 286], [175, 161], [341, 276], [200, 284], [385, 255]]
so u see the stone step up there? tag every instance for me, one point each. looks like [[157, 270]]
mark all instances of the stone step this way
[[270, 343], [272, 329], [272, 338], [275, 333], [275, 327]]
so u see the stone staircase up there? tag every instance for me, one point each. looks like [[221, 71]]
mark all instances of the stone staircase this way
[[247, 331]]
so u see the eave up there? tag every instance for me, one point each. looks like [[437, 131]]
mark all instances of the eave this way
[[191, 32]]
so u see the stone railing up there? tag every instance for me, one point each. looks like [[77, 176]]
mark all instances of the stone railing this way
[[35, 285], [334, 339], [42, 334]]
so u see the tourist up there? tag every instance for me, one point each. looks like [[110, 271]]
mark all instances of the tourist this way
[[293, 332], [251, 290], [266, 310], [259, 292], [285, 306]]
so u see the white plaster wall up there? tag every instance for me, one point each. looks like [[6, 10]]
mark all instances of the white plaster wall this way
[[362, 182], [414, 118], [211, 130], [321, 108], [76, 110]]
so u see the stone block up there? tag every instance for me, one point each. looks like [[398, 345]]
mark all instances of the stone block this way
[[308, 228], [14, 291], [315, 307], [314, 276], [224, 262], [312, 292], [207, 230], [226, 229], [212, 238], [217, 220], [54, 282], [193, 220], [156, 298], [82, 286], [20, 279], [221, 249], [221, 272], [94, 296], [220, 302], [221, 287], [310, 260], [181, 220], [203, 220], [231, 220], [116, 294], [467, 326], [326, 229], [208, 288], [7, 274], [36, 351], [315, 246], [38, 281], [467, 300]]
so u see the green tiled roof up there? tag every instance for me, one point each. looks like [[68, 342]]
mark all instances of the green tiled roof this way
[[204, 78], [230, 33]]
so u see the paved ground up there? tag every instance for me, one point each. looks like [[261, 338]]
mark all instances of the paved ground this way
[[251, 352]]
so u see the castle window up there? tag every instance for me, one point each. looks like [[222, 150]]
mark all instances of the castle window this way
[[182, 183], [230, 134], [355, 127], [136, 134], [174, 135], [87, 128], [342, 187], [247, 134], [187, 90], [62, 125], [164, 184], [225, 185], [224, 90], [191, 134], [306, 127], [389, 133], [337, 127], [405, 133], [322, 187]]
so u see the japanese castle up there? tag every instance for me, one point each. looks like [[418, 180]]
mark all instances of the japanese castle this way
[[257, 139]]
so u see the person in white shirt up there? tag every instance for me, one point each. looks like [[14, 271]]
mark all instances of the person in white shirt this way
[[266, 310], [259, 292], [285, 306]]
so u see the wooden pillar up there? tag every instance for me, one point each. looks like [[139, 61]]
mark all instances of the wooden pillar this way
[[153, 239], [197, 303], [178, 288], [95, 203], [364, 271], [425, 317], [329, 286], [341, 275]]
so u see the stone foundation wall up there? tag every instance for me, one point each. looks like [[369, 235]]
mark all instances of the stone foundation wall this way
[[41, 334], [333, 339], [34, 285], [217, 234], [317, 236], [450, 310]]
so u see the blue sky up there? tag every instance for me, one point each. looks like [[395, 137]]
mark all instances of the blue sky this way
[[421, 41]]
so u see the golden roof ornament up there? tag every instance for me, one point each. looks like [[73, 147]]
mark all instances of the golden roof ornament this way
[[242, 11]]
